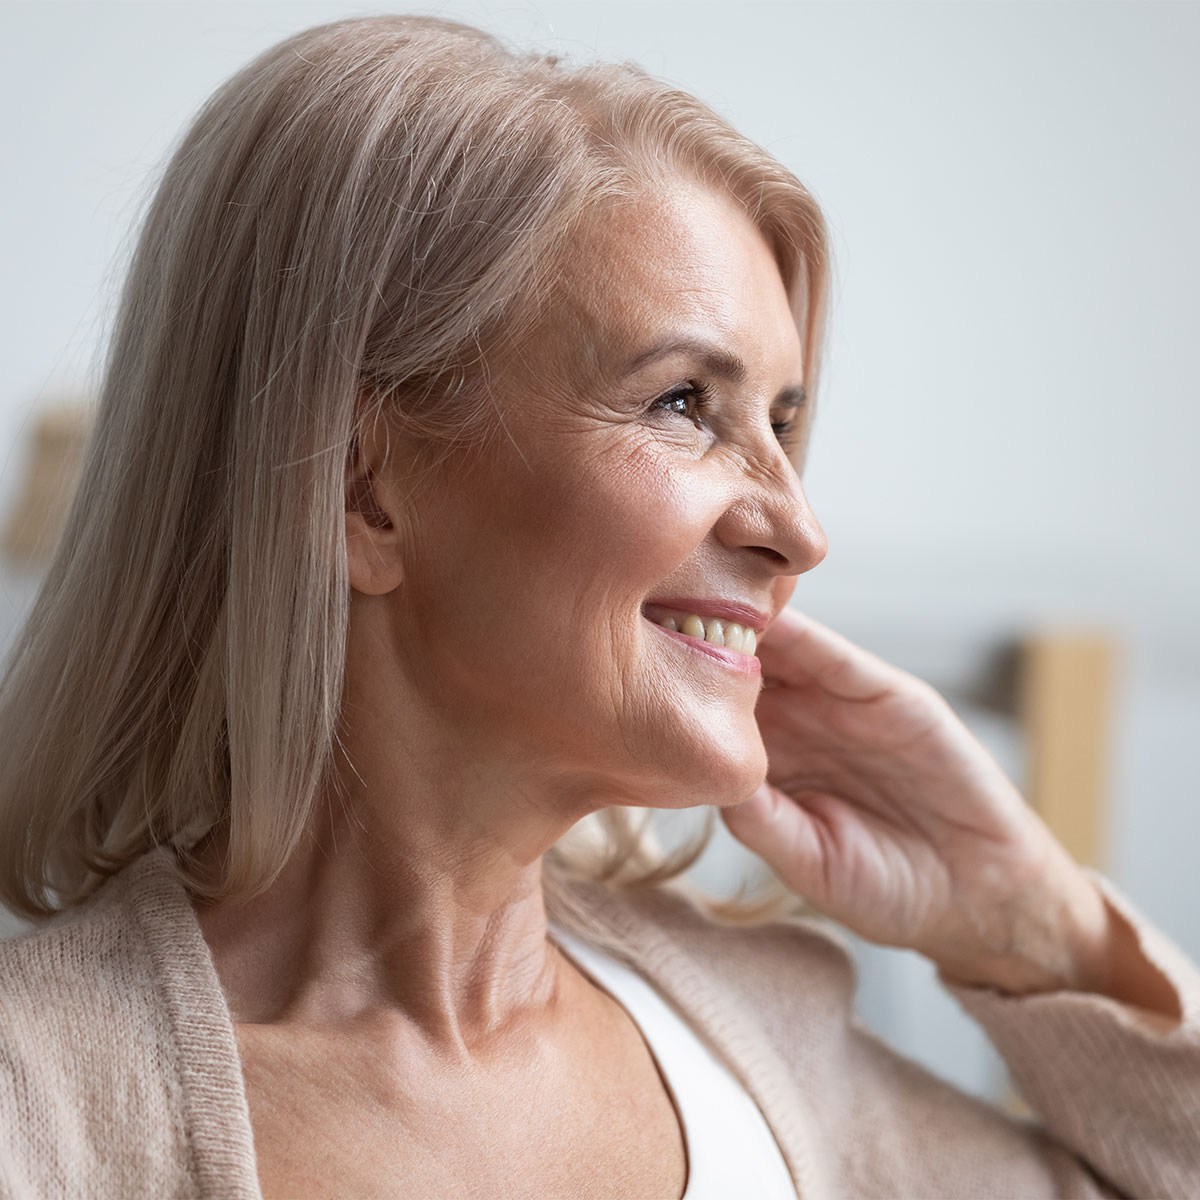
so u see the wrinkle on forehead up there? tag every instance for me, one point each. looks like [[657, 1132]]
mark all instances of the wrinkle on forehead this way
[[639, 269]]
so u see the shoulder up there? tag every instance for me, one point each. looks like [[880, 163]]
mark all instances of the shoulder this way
[[63, 978], [85, 1040], [795, 959]]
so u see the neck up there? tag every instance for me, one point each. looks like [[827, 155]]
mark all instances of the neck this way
[[416, 889], [435, 920]]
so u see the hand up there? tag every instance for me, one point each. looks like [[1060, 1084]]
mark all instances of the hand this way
[[884, 812]]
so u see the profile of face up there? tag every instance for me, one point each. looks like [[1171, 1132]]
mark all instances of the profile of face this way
[[528, 576]]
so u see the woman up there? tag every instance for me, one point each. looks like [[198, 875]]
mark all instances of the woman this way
[[445, 480]]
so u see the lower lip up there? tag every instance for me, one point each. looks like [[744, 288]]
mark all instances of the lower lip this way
[[742, 664]]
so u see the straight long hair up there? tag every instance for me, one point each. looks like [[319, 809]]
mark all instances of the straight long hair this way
[[347, 227]]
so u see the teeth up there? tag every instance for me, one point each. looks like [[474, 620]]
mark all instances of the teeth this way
[[731, 635]]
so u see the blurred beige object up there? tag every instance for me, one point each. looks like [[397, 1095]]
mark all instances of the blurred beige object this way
[[52, 472], [1064, 706], [1066, 702]]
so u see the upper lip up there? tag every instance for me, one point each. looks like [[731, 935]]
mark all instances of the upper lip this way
[[745, 615]]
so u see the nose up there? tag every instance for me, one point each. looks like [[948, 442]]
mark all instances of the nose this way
[[772, 517]]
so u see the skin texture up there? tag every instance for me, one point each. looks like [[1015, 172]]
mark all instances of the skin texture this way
[[501, 683]]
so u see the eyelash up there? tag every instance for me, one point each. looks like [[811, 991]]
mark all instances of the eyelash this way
[[701, 394]]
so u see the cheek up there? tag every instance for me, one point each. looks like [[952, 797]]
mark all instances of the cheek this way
[[656, 504], [533, 609], [610, 525], [519, 559]]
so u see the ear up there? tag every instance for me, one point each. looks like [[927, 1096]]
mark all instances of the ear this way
[[374, 544]]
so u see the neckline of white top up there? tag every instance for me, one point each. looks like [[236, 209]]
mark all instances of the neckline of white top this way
[[730, 1148]]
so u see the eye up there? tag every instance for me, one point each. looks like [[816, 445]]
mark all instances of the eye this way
[[680, 399], [788, 433], [696, 397]]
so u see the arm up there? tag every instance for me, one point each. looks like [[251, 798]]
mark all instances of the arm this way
[[1116, 1104], [1114, 1071]]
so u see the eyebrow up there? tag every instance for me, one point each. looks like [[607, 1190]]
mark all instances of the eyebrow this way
[[724, 364]]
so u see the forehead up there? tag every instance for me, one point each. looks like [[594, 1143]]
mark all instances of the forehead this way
[[687, 261]]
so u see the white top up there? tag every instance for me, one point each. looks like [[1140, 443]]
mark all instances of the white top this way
[[730, 1148]]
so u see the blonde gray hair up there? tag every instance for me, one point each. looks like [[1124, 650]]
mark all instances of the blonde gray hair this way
[[349, 226]]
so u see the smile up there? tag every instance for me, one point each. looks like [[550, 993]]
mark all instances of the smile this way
[[727, 642], [712, 630]]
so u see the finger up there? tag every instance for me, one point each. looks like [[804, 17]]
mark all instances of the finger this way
[[798, 649], [784, 836]]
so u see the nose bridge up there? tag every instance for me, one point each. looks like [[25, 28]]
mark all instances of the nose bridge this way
[[775, 513]]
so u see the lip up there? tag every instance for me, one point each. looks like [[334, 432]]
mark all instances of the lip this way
[[724, 610], [742, 664]]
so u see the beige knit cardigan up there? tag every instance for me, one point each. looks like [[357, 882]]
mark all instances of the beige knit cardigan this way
[[119, 1070]]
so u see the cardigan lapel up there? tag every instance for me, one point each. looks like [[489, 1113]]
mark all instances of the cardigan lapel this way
[[215, 1114]]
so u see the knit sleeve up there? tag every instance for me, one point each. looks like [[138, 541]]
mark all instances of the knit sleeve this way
[[1120, 1091]]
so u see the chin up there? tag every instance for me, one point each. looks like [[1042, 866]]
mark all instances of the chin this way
[[721, 784]]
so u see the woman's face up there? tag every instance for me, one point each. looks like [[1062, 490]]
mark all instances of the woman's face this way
[[524, 618]]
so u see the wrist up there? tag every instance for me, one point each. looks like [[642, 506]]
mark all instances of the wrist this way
[[1055, 941], [1100, 954]]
